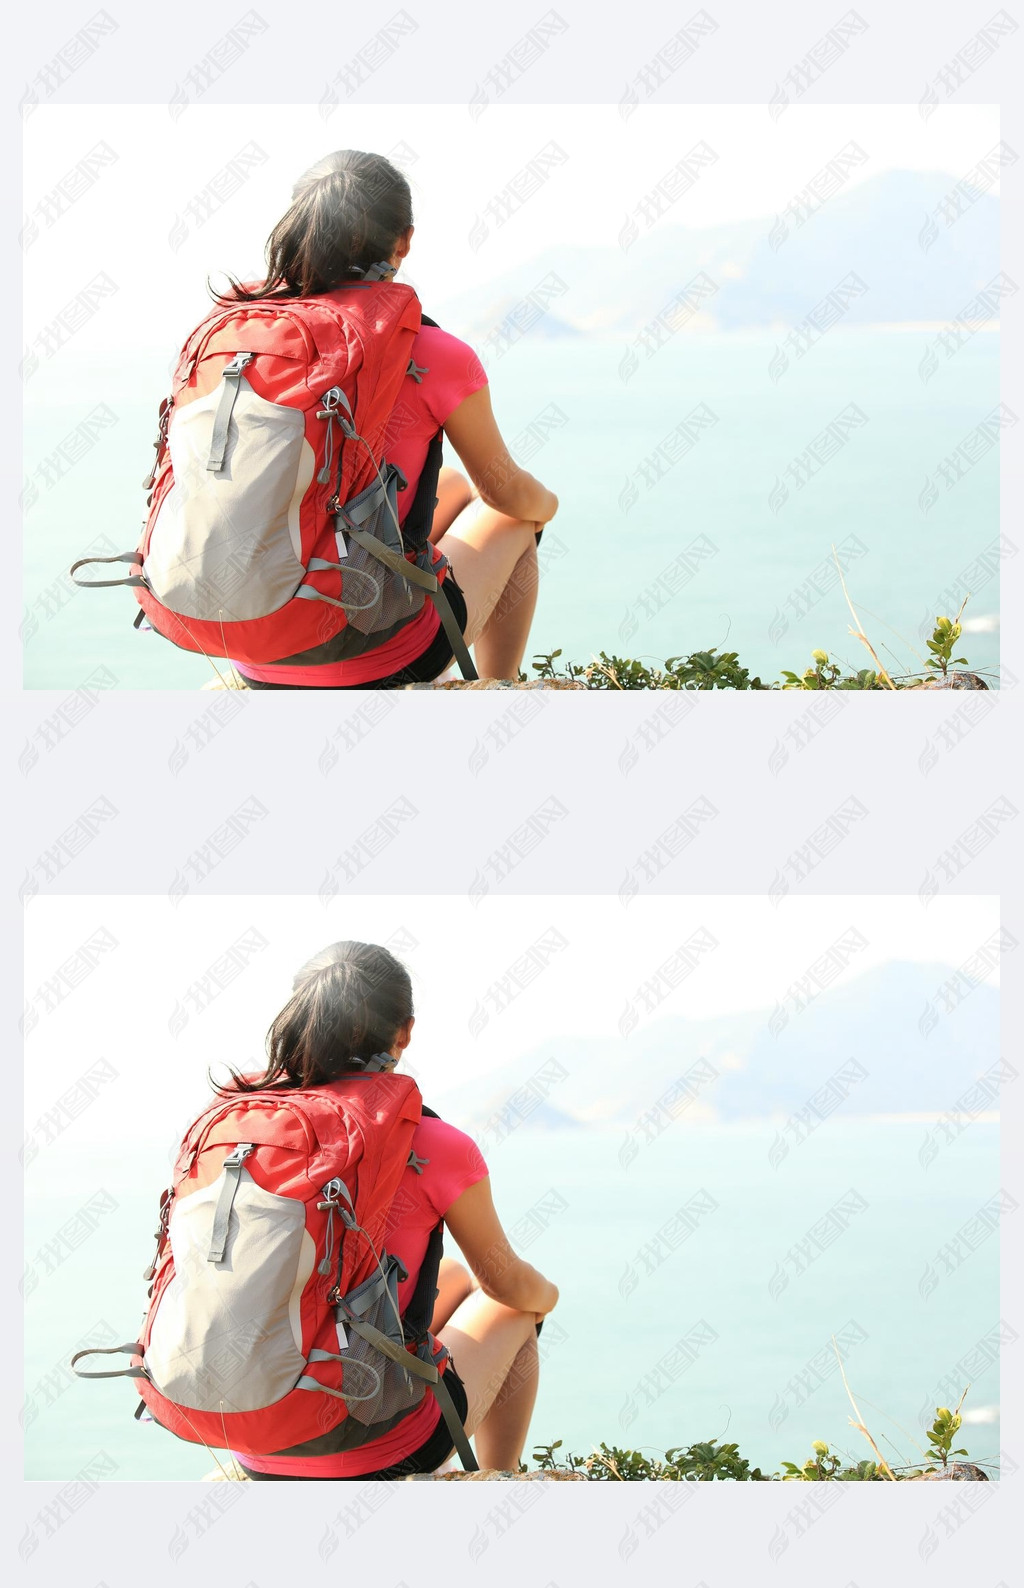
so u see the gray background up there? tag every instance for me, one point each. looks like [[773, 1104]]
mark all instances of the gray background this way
[[923, 775]]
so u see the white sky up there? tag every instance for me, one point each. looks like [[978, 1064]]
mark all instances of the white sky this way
[[122, 1010], [122, 223]]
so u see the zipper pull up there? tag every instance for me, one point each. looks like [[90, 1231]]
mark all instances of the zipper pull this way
[[334, 400], [324, 477], [331, 1193], [324, 1266]]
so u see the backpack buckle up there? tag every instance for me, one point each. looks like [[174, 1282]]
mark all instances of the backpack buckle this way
[[238, 1155], [237, 365]]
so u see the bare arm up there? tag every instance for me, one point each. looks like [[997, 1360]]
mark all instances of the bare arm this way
[[501, 483], [503, 1275]]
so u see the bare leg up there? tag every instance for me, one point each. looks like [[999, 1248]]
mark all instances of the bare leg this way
[[454, 492], [502, 1434], [487, 1341], [494, 559], [501, 645], [454, 1284]]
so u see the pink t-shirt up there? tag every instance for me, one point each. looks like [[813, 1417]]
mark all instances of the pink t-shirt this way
[[449, 372], [454, 1162]]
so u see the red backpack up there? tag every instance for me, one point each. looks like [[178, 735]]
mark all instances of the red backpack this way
[[273, 1325], [272, 534]]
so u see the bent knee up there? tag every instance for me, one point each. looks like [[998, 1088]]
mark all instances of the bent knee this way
[[455, 1273], [453, 489], [527, 533]]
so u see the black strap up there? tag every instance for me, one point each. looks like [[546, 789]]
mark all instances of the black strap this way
[[419, 520], [420, 1309]]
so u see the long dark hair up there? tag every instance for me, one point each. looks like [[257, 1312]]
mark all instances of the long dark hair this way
[[348, 1003], [347, 213]]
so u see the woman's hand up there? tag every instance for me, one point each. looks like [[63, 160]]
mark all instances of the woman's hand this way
[[551, 503], [552, 1301]]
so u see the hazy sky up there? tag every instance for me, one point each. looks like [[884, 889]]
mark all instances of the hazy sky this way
[[199, 194], [141, 1007]]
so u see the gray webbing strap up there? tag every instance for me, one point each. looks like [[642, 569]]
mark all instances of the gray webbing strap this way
[[307, 593], [455, 1427], [225, 1201], [307, 1383], [456, 638], [426, 581], [425, 1370], [110, 1350], [363, 506], [106, 584], [231, 376], [346, 1193], [319, 564], [316, 1355]]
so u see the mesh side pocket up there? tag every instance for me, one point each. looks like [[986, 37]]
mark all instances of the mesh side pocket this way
[[375, 1302], [372, 510]]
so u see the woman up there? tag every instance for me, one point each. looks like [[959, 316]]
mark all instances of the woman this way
[[348, 212], [351, 1002]]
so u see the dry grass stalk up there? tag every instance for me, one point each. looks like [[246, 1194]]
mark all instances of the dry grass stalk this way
[[883, 1465], [858, 632]]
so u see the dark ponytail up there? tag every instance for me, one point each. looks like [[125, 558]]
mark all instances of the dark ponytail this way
[[349, 1003], [347, 213]]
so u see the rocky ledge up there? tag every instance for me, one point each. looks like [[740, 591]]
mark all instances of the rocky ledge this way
[[233, 680], [229, 1471], [953, 681], [954, 1472], [492, 1474], [499, 683]]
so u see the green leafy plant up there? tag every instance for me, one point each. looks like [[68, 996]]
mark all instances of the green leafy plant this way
[[942, 1433], [942, 644], [822, 675], [699, 1463], [714, 669], [709, 1461], [822, 1466], [700, 670]]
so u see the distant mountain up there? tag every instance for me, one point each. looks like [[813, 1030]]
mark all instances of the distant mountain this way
[[895, 231], [913, 1053]]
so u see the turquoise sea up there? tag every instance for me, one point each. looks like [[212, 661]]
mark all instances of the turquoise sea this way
[[700, 498], [700, 1288]]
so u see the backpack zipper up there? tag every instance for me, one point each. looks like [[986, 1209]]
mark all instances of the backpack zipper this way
[[333, 399], [160, 1234], [332, 1193]]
